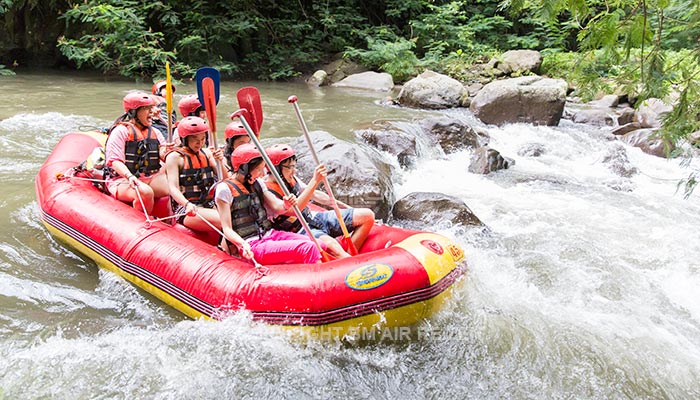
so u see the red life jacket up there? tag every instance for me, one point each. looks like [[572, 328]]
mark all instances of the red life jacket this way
[[196, 176], [141, 152], [286, 222]]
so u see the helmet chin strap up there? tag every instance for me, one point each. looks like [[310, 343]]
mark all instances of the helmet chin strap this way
[[244, 170], [278, 167]]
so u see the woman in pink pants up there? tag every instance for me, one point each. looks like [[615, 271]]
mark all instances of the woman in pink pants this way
[[242, 201]]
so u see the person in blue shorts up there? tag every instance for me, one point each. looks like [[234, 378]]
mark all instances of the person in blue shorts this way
[[324, 225]]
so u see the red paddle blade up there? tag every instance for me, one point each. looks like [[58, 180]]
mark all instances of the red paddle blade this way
[[348, 245], [249, 98], [209, 94]]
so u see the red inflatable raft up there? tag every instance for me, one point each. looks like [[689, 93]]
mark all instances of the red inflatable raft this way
[[399, 277]]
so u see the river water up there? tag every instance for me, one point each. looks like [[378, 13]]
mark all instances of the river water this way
[[585, 285]]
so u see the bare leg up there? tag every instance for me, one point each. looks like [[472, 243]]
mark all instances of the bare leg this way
[[127, 193], [333, 247], [196, 223], [363, 221], [159, 184]]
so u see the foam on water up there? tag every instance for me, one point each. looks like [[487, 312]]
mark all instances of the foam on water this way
[[613, 271], [584, 285]]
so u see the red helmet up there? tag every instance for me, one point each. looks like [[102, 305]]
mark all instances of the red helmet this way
[[159, 86], [134, 100], [243, 155], [157, 99], [191, 126], [235, 129], [279, 152], [188, 104]]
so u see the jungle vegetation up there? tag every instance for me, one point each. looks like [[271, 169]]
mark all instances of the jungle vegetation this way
[[642, 48]]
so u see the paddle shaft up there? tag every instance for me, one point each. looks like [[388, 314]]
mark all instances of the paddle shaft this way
[[277, 177], [327, 184], [209, 93], [169, 101]]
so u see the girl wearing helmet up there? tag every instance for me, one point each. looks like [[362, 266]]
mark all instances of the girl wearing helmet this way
[[236, 135], [191, 176], [158, 88], [242, 202], [324, 225], [133, 153], [190, 106], [160, 115]]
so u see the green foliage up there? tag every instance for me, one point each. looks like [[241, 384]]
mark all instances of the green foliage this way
[[5, 6], [339, 25], [389, 53], [6, 72], [114, 39], [442, 29]]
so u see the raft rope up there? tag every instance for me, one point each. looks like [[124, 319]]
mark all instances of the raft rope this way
[[259, 268], [143, 206], [62, 177]]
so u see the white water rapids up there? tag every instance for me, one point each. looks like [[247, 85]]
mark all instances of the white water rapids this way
[[584, 285]]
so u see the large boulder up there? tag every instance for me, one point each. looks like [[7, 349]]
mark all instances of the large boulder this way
[[486, 160], [607, 101], [359, 177], [431, 207], [319, 78], [432, 90], [453, 134], [649, 141], [595, 116], [651, 112], [528, 99], [601, 112], [514, 62], [379, 81], [340, 69], [627, 128], [395, 142]]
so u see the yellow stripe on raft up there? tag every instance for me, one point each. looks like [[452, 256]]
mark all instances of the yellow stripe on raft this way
[[390, 324], [108, 265], [438, 261]]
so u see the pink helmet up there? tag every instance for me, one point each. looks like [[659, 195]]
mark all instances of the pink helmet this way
[[188, 104], [192, 126], [235, 129], [279, 152], [159, 86], [243, 155], [157, 99], [134, 100]]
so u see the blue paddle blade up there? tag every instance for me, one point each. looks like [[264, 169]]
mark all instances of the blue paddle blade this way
[[207, 72]]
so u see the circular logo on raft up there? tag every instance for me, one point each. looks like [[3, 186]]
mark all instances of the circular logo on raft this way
[[369, 276], [432, 246]]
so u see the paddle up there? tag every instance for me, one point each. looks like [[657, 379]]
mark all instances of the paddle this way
[[241, 113], [169, 100], [249, 98], [208, 94], [346, 235]]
